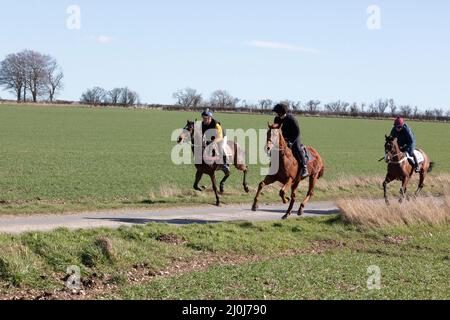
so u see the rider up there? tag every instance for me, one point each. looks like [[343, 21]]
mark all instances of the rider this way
[[215, 133], [406, 139], [291, 133]]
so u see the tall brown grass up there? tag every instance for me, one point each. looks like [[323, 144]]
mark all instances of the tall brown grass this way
[[375, 213]]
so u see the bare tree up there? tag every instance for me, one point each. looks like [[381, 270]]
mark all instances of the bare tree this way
[[438, 112], [363, 107], [128, 97], [36, 65], [188, 98], [312, 106], [429, 114], [94, 96], [12, 75], [416, 112], [392, 106], [53, 79], [354, 109], [448, 113], [222, 99], [381, 105], [265, 104], [114, 96], [337, 106], [406, 111]]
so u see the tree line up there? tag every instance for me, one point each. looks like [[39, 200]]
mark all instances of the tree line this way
[[33, 76], [222, 100], [31, 72], [116, 97]]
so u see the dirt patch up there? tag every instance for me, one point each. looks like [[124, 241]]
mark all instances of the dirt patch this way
[[171, 239], [396, 239]]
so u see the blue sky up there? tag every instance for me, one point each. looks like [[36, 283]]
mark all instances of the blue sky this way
[[294, 50]]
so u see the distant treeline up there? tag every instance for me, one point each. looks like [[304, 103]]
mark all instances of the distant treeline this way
[[35, 77]]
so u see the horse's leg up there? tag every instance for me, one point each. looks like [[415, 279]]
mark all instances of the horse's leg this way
[[246, 188], [385, 185], [284, 189], [214, 184], [198, 177], [222, 183], [293, 198], [312, 184], [422, 180], [238, 158], [267, 181], [403, 190]]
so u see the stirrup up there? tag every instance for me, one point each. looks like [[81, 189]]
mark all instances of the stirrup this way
[[305, 172], [226, 168]]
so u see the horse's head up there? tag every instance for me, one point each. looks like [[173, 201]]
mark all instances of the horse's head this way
[[273, 137], [188, 132], [391, 148]]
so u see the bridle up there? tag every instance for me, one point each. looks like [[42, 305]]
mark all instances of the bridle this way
[[389, 156], [269, 140]]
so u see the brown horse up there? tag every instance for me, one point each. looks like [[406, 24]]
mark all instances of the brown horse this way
[[399, 168], [210, 169], [288, 172]]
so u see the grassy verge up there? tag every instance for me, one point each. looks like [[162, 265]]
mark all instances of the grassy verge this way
[[300, 258], [172, 196]]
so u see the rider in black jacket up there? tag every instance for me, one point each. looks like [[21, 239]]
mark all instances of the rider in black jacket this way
[[291, 133]]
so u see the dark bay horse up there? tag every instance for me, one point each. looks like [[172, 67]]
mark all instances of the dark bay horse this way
[[236, 154], [399, 168], [288, 172]]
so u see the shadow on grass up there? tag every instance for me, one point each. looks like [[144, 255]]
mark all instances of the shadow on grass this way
[[307, 212], [147, 202]]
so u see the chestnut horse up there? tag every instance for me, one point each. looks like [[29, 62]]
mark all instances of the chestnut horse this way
[[288, 172], [210, 169], [399, 168]]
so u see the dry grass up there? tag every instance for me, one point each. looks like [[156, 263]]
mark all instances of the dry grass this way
[[438, 183], [375, 213]]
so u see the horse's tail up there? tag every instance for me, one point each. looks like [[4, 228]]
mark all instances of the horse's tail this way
[[322, 172], [432, 164]]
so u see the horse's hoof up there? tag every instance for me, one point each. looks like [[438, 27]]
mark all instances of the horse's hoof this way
[[300, 213], [254, 208], [203, 188], [246, 189], [285, 217]]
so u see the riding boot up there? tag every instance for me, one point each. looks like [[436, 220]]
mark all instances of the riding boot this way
[[225, 167], [300, 155], [416, 163]]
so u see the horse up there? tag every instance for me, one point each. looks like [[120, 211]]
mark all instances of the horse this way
[[399, 168], [288, 172], [210, 169]]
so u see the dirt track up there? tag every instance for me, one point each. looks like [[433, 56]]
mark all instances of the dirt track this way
[[176, 216]]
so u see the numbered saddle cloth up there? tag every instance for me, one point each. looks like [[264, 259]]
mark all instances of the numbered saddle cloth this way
[[419, 156]]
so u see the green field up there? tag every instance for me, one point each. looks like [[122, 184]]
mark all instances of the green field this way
[[73, 158]]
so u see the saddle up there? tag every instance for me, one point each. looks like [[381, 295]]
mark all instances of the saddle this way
[[308, 156], [419, 156]]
